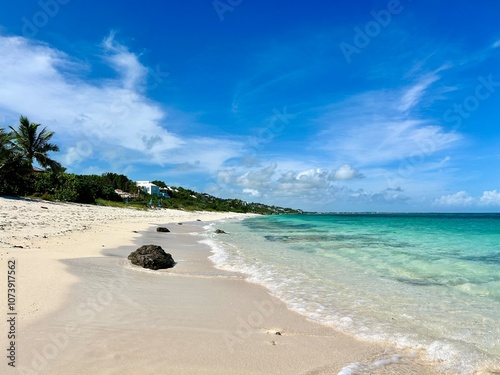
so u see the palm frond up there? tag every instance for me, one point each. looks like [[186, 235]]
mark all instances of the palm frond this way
[[34, 144]]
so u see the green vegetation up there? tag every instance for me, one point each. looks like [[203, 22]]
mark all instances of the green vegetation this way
[[20, 147], [74, 188], [32, 144], [122, 204], [14, 170], [180, 198]]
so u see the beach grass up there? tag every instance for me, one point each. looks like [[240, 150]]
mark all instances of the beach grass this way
[[132, 205]]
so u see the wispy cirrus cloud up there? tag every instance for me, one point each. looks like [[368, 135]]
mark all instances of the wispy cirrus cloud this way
[[412, 95], [107, 120], [377, 127]]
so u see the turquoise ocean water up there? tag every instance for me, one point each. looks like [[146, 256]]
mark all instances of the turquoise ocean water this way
[[421, 281]]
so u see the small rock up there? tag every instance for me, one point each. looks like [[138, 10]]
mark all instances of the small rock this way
[[198, 220], [135, 231], [45, 208], [179, 223], [18, 247], [162, 229], [219, 231], [152, 257], [278, 333]]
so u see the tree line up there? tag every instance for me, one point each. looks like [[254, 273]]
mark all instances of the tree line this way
[[22, 146]]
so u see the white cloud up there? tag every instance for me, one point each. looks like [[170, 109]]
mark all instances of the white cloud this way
[[458, 199], [310, 182], [314, 186], [490, 198], [259, 179], [375, 128], [271, 180], [411, 96], [346, 172], [77, 153], [110, 119], [252, 192], [133, 73], [463, 199]]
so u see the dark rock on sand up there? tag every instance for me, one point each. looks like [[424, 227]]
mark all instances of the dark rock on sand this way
[[198, 220], [162, 229], [219, 231], [152, 257]]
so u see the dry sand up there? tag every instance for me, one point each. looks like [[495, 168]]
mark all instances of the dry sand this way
[[83, 309]]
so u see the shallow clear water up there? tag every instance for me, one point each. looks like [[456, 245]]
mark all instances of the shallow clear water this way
[[423, 281]]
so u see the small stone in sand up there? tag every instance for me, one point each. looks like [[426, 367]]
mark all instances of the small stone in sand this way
[[162, 229], [219, 231]]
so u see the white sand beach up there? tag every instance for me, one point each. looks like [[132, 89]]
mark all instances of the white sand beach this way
[[83, 309]]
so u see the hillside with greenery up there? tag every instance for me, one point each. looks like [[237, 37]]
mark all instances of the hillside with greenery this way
[[21, 147]]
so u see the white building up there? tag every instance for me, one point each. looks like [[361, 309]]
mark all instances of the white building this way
[[149, 187]]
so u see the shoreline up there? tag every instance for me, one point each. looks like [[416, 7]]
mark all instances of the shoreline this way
[[193, 318]]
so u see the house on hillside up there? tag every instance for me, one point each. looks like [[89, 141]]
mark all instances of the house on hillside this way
[[148, 187], [125, 195], [164, 192]]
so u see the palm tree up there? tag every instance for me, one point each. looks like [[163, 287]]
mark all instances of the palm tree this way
[[34, 145], [12, 167], [5, 147]]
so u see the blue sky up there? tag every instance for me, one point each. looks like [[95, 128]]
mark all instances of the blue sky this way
[[329, 106]]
